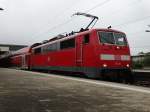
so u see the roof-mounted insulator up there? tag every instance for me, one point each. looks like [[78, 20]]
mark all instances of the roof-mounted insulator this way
[[109, 27]]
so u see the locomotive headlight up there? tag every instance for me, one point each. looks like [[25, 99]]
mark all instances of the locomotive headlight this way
[[128, 65], [104, 65]]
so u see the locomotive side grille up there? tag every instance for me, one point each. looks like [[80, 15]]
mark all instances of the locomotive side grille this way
[[125, 57], [107, 57], [114, 57]]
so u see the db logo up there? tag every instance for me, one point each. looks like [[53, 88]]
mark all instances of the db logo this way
[[117, 57]]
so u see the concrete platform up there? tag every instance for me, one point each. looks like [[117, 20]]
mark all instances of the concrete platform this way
[[141, 71], [23, 91]]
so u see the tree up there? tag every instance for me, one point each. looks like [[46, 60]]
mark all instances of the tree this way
[[146, 60], [140, 53]]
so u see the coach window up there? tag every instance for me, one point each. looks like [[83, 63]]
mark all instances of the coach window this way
[[86, 39], [44, 49], [52, 47], [67, 44], [37, 50]]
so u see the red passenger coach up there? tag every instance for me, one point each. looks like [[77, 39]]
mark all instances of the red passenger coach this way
[[21, 58]]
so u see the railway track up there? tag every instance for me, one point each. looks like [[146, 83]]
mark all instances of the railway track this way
[[141, 78], [142, 83]]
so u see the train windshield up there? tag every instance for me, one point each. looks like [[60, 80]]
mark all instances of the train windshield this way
[[112, 38]]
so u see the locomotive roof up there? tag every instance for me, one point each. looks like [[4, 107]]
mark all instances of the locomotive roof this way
[[78, 34], [110, 30]]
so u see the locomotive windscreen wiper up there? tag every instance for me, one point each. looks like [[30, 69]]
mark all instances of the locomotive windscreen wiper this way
[[94, 18]]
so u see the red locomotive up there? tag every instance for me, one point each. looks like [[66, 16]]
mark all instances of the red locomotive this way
[[94, 52]]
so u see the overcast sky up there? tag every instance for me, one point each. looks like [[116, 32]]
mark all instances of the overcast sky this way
[[29, 21]]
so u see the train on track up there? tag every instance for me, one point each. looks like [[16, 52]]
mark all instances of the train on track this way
[[93, 52]]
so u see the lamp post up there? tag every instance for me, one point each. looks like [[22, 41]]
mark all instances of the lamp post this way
[[1, 9], [147, 30]]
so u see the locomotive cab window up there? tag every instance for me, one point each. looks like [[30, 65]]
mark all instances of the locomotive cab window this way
[[120, 39], [67, 44], [37, 50], [106, 38], [86, 39], [112, 38]]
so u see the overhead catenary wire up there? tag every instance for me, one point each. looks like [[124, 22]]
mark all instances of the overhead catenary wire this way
[[131, 4], [68, 21], [94, 7], [97, 5], [140, 47], [57, 16], [53, 28], [132, 21], [101, 4]]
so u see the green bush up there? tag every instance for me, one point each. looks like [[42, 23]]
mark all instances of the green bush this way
[[146, 61], [137, 65]]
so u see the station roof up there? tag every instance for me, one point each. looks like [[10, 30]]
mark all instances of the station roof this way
[[21, 51], [13, 47]]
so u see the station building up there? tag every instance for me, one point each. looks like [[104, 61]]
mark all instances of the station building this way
[[140, 57]]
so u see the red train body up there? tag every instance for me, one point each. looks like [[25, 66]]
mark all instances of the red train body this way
[[21, 58], [94, 52]]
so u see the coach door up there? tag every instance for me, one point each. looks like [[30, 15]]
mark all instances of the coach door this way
[[79, 51]]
